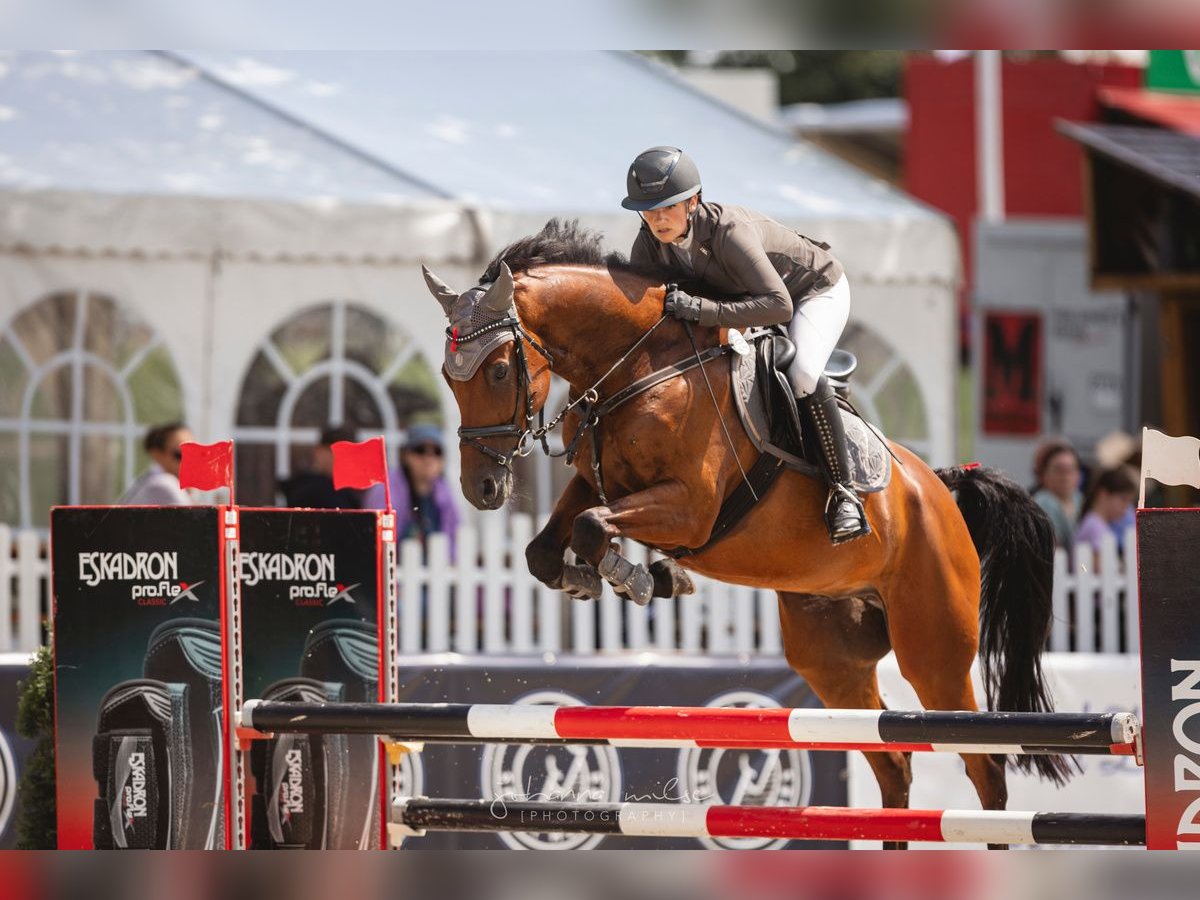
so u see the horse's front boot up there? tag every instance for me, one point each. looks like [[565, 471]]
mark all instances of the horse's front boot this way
[[581, 582], [634, 581]]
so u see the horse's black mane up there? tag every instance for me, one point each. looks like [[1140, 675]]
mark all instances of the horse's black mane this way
[[560, 242]]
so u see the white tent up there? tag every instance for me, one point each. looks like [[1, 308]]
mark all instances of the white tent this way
[[219, 203]]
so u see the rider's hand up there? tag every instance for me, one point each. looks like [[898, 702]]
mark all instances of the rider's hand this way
[[681, 305]]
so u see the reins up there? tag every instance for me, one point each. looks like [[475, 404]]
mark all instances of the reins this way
[[592, 408]]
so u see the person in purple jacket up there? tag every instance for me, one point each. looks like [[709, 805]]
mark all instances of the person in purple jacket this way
[[423, 499], [1110, 498]]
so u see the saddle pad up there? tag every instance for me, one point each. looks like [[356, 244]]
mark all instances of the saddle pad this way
[[870, 462]]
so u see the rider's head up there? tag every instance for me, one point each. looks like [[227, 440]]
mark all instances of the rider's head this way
[[664, 186]]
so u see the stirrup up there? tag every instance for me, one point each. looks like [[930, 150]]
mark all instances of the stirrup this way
[[861, 528]]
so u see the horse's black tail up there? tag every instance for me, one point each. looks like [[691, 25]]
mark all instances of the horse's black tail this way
[[1015, 543]]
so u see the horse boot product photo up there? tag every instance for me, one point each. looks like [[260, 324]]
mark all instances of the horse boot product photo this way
[[297, 776], [845, 517], [345, 652], [188, 652], [141, 760]]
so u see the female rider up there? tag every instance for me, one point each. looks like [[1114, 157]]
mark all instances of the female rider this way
[[773, 275]]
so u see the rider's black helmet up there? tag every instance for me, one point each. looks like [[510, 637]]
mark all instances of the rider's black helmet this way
[[660, 176]]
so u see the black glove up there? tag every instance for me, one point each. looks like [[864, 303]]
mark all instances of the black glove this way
[[681, 305]]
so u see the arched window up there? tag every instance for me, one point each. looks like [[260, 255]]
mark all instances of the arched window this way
[[885, 390], [80, 381], [335, 364]]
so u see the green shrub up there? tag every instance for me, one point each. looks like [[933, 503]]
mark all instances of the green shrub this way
[[36, 826]]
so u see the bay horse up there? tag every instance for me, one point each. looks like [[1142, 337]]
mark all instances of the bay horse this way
[[657, 468]]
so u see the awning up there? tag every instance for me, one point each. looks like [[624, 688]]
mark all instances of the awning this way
[[1167, 157], [1144, 199], [1179, 112]]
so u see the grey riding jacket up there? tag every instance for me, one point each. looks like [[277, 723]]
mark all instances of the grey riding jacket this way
[[768, 266]]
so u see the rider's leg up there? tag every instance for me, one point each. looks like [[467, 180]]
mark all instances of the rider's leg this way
[[815, 329]]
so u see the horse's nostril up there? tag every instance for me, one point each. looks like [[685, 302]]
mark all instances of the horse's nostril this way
[[489, 488]]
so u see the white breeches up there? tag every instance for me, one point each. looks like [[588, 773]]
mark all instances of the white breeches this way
[[815, 329]]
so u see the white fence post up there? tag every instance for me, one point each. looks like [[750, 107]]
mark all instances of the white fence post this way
[[1130, 623], [495, 547], [412, 597], [521, 600], [32, 573], [1086, 585], [1111, 578], [438, 603], [466, 591], [1060, 628]]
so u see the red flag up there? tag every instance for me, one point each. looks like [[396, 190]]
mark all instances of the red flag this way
[[361, 465], [206, 467]]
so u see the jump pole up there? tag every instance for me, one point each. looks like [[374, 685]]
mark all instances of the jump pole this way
[[414, 816], [667, 726]]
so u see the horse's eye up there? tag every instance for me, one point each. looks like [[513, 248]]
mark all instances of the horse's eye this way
[[500, 371]]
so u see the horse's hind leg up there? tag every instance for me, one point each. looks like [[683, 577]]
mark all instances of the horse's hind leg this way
[[933, 614], [834, 644]]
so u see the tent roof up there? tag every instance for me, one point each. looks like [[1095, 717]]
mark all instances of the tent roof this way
[[518, 136], [549, 131], [137, 122]]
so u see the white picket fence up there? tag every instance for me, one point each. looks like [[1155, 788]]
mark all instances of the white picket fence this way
[[488, 602]]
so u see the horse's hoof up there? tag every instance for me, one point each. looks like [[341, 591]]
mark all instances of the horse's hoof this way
[[582, 582], [670, 579]]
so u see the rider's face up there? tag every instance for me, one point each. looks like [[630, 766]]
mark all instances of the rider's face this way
[[670, 222]]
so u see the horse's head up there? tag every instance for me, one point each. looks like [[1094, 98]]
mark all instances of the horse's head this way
[[487, 366]]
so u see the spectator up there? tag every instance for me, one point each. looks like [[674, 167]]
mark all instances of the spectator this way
[[159, 484], [424, 501], [1119, 448], [1109, 499], [1056, 465], [313, 488]]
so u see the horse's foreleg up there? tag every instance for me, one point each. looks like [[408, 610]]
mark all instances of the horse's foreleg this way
[[544, 555], [659, 515]]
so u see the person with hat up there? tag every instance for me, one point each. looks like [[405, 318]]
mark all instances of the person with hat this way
[[771, 275], [422, 497], [312, 488]]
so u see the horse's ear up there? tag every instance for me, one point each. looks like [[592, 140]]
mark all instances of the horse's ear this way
[[499, 296], [445, 295]]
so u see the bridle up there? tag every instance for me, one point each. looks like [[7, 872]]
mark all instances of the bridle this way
[[520, 425], [517, 426]]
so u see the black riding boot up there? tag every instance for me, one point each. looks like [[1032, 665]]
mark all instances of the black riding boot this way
[[844, 514]]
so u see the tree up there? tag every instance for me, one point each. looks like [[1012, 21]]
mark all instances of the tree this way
[[810, 76]]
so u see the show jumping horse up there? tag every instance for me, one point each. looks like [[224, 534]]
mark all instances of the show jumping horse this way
[[555, 303]]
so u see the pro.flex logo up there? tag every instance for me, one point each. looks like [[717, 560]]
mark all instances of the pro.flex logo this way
[[311, 577], [153, 576]]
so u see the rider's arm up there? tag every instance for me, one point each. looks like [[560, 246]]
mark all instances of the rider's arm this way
[[766, 300]]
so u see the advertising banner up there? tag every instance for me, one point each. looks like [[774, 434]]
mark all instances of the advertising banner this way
[[310, 586], [1169, 598], [138, 686]]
